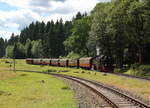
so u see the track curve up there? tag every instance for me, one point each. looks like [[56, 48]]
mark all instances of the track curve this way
[[114, 98]]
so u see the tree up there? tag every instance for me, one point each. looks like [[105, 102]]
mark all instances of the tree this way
[[36, 48], [119, 28], [2, 47], [29, 54], [139, 26], [78, 16], [60, 37], [18, 51], [9, 51], [98, 34], [28, 47], [15, 51], [50, 40], [13, 39], [79, 35]]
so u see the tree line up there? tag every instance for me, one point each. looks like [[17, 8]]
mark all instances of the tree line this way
[[120, 28], [39, 40]]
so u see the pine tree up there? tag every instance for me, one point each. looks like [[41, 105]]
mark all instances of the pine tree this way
[[2, 47]]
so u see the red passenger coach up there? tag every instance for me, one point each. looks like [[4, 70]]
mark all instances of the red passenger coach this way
[[55, 62], [63, 62], [37, 61], [29, 61], [86, 62], [45, 61], [73, 63]]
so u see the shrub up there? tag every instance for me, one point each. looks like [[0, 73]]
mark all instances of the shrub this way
[[140, 70], [73, 55]]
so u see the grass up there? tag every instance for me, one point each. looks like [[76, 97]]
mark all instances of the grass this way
[[32, 90], [139, 87], [141, 70]]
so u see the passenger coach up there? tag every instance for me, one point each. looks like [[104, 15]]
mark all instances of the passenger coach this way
[[103, 63]]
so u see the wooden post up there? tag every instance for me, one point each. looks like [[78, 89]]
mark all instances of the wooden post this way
[[10, 66], [14, 64]]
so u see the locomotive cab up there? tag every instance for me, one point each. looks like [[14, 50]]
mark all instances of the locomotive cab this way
[[107, 64], [103, 63]]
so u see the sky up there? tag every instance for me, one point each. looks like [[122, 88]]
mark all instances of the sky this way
[[17, 14]]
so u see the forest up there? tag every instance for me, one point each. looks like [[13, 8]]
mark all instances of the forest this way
[[120, 28]]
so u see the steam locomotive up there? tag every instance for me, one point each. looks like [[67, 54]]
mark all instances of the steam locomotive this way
[[99, 63]]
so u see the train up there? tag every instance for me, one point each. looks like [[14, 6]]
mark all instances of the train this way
[[98, 63]]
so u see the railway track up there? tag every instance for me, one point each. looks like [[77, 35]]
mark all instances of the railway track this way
[[114, 98]]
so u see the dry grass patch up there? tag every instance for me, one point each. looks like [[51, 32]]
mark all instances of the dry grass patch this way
[[7, 75]]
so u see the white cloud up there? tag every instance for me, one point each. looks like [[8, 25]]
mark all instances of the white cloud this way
[[13, 25], [17, 3], [18, 19], [6, 34], [41, 10], [56, 17]]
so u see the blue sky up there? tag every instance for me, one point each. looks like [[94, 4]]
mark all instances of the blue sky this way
[[16, 14], [6, 7]]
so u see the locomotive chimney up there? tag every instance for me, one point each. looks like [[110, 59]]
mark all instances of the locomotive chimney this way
[[97, 50]]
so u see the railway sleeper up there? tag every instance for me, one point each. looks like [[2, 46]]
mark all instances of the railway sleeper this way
[[109, 94]]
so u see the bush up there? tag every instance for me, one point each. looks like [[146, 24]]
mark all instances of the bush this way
[[123, 70], [140, 70], [135, 66], [144, 70], [73, 55], [51, 70]]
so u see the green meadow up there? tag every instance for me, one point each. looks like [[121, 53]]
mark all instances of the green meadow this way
[[32, 90], [135, 86]]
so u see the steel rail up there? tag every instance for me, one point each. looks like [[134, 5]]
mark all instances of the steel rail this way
[[91, 88], [127, 97]]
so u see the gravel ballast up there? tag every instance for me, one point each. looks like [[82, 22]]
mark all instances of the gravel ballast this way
[[84, 96]]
